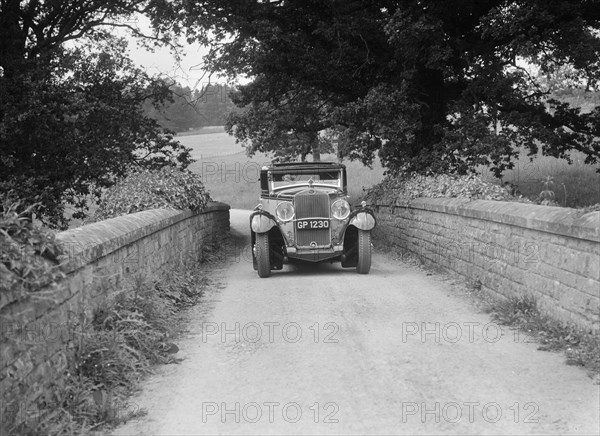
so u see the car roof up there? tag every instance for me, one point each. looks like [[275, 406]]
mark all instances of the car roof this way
[[305, 166]]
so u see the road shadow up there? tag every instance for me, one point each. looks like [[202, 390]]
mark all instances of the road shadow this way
[[305, 269]]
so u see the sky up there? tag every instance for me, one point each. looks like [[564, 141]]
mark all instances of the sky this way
[[187, 72]]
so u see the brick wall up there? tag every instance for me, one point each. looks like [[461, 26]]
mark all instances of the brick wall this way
[[510, 248], [102, 258]]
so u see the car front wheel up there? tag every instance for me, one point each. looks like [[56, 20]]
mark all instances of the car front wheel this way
[[262, 254], [363, 264]]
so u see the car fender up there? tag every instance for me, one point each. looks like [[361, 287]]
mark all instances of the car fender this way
[[363, 219], [261, 221]]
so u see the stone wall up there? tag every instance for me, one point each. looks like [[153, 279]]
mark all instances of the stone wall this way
[[510, 249], [101, 259]]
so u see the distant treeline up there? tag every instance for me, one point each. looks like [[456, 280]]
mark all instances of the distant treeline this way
[[192, 109]]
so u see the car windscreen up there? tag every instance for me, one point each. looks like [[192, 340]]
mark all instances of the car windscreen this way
[[317, 177]]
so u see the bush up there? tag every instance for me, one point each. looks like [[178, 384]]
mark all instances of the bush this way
[[169, 188], [28, 254], [398, 190]]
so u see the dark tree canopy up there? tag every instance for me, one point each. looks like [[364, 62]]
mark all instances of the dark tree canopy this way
[[430, 85], [71, 117], [292, 122]]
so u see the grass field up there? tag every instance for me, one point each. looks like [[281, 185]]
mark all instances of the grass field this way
[[232, 177], [575, 185], [210, 145], [202, 131]]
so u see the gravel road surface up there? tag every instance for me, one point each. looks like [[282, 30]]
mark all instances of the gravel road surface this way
[[323, 350]]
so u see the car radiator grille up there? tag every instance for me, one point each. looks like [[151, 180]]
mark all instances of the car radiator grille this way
[[314, 205]]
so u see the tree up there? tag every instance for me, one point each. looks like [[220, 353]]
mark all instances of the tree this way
[[189, 109], [70, 102], [287, 126], [428, 85], [178, 113], [213, 102]]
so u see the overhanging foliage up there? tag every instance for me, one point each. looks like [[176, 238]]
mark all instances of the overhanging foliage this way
[[429, 85]]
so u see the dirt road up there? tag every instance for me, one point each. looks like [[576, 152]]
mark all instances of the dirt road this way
[[323, 350]]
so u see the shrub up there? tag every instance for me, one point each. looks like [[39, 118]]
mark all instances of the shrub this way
[[396, 190], [28, 254], [169, 188]]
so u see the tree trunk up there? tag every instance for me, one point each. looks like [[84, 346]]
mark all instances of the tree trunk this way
[[316, 148], [316, 154], [433, 111], [12, 40]]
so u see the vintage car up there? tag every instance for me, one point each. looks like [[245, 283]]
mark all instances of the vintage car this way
[[304, 214]]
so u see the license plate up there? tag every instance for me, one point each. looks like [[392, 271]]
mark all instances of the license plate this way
[[312, 224]]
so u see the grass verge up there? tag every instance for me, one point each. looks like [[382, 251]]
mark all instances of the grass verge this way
[[581, 347], [113, 349], [522, 313]]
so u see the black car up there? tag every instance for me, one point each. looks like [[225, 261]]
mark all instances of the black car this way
[[304, 214]]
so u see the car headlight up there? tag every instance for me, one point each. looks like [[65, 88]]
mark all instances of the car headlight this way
[[285, 211], [340, 209]]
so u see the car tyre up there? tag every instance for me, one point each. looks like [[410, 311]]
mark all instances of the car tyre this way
[[363, 265], [263, 258]]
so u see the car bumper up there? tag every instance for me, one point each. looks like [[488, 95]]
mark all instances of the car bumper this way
[[315, 255]]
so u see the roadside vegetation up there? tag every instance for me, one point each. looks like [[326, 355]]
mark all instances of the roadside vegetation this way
[[144, 189], [113, 348], [521, 314], [581, 347], [552, 190], [401, 189], [28, 254], [111, 352]]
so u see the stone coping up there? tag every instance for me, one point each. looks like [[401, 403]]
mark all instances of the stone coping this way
[[558, 220], [85, 244]]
